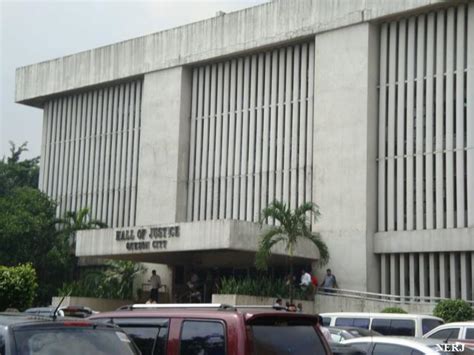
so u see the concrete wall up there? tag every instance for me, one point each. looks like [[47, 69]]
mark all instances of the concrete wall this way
[[331, 303], [164, 147], [259, 26], [344, 151]]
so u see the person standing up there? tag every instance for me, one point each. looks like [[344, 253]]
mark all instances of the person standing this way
[[155, 282], [323, 329], [329, 283], [305, 279]]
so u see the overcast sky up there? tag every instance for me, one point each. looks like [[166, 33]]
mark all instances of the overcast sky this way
[[34, 31]]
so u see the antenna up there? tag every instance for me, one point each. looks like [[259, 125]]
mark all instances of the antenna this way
[[55, 314]]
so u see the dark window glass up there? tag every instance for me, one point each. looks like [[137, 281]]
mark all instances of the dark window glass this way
[[2, 344], [72, 341], [284, 336], [469, 333], [429, 324], [450, 333], [326, 321], [381, 325], [344, 322], [149, 334], [202, 338], [391, 349], [403, 327], [362, 346], [361, 323]]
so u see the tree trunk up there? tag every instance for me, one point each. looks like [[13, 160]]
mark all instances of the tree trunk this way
[[291, 279]]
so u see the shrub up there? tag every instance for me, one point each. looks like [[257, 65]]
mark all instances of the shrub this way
[[17, 286], [453, 311], [394, 310], [261, 286]]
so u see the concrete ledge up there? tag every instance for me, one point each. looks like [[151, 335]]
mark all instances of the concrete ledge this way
[[255, 27], [441, 240]]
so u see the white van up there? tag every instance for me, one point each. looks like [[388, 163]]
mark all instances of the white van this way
[[384, 323]]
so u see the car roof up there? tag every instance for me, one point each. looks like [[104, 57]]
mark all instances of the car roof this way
[[456, 324], [247, 314], [26, 319], [377, 315], [400, 340]]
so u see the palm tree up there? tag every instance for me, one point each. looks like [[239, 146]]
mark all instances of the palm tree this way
[[293, 226], [74, 221]]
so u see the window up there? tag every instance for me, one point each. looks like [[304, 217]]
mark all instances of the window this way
[[202, 338], [364, 347], [149, 334], [402, 327], [390, 349], [326, 321], [469, 333], [429, 324], [285, 336], [337, 338], [449, 333], [382, 326], [353, 322]]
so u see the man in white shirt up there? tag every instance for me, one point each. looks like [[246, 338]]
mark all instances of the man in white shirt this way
[[305, 279], [155, 282]]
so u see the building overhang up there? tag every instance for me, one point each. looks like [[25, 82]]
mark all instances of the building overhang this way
[[209, 243]]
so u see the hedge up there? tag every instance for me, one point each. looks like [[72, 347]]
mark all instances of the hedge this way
[[393, 310], [18, 286], [453, 311]]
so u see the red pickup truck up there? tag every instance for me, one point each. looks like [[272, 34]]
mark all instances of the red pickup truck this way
[[223, 330]]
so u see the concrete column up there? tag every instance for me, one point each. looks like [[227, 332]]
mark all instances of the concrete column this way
[[344, 150], [164, 147], [443, 276], [454, 274], [465, 276], [412, 274], [403, 268]]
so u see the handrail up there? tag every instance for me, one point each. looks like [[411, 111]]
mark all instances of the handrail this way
[[384, 297]]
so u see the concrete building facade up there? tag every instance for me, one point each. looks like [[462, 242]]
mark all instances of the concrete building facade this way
[[178, 139]]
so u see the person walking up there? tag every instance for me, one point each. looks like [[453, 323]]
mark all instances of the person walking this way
[[323, 329], [155, 282], [329, 283]]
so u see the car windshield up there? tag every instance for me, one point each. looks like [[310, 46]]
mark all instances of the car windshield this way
[[283, 336], [73, 341]]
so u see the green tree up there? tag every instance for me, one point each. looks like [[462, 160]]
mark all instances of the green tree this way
[[292, 226], [27, 231], [15, 173]]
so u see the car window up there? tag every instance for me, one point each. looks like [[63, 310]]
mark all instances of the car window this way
[[470, 333], [381, 325], [285, 336], [391, 349], [73, 340], [364, 347], [326, 321], [429, 324], [353, 322], [149, 334], [403, 327], [337, 338], [202, 338], [449, 333]]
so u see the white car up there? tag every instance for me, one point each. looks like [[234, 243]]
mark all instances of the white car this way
[[404, 346], [458, 330]]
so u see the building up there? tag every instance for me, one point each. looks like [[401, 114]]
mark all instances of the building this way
[[179, 138]]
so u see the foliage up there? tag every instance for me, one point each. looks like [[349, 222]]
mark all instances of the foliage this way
[[394, 310], [15, 173], [292, 227], [261, 286], [115, 281], [17, 286], [27, 231], [453, 311]]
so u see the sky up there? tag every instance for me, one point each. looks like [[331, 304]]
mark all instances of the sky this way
[[35, 31]]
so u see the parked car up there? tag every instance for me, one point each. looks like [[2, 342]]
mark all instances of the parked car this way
[[400, 346], [338, 334], [45, 311], [218, 329], [385, 323], [346, 349], [78, 311], [457, 330], [22, 333]]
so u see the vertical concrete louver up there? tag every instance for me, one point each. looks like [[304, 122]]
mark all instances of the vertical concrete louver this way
[[251, 134], [90, 152], [426, 146]]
